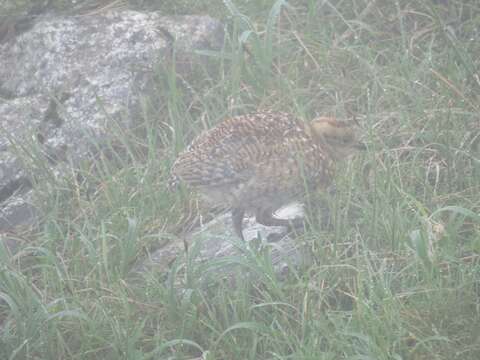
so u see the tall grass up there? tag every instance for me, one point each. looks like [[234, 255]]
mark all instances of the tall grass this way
[[395, 277]]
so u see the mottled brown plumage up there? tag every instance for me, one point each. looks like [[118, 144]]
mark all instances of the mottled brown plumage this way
[[260, 162]]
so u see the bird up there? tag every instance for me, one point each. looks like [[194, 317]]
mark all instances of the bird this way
[[259, 162]]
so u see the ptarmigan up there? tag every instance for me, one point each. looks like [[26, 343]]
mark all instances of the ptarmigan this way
[[260, 162]]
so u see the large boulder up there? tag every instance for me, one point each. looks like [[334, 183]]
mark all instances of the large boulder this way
[[66, 79]]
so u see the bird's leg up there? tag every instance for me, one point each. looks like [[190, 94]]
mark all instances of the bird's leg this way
[[265, 217], [237, 218]]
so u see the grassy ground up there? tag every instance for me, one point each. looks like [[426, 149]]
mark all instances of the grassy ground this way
[[398, 275]]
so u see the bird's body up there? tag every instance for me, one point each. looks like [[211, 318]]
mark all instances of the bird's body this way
[[260, 162]]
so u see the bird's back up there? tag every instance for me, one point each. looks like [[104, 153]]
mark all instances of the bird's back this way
[[253, 158]]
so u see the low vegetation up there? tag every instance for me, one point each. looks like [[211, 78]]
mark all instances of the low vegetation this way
[[396, 275]]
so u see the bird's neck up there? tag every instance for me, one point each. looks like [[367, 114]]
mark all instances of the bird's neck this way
[[319, 139]]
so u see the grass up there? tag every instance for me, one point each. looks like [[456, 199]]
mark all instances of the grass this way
[[398, 275]]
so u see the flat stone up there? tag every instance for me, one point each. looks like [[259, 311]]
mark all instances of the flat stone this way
[[217, 240]]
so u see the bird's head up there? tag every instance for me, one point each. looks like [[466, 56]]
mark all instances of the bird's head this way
[[339, 136]]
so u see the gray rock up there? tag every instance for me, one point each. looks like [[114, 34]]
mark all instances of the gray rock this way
[[216, 240], [18, 210], [66, 81]]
